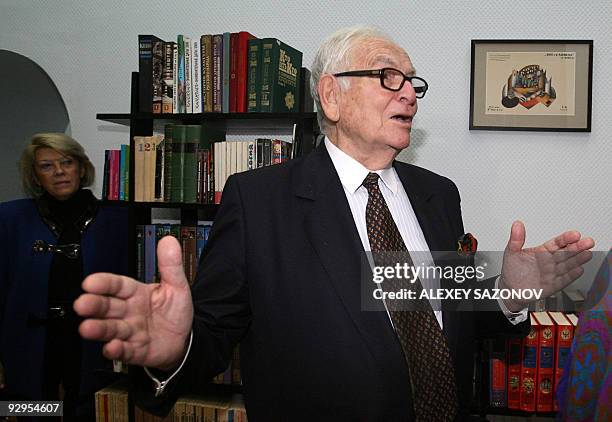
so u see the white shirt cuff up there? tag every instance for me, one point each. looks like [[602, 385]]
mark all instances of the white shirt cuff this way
[[513, 317], [161, 385]]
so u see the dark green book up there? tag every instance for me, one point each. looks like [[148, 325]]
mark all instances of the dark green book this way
[[178, 162], [168, 130], [253, 75], [280, 80], [193, 133]]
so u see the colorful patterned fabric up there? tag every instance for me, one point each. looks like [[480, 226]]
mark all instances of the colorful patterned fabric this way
[[585, 389]]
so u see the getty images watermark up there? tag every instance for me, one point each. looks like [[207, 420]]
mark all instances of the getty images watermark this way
[[456, 282]]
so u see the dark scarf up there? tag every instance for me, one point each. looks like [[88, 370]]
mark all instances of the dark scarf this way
[[67, 220]]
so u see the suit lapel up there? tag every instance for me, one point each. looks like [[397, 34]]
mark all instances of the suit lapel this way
[[330, 228]]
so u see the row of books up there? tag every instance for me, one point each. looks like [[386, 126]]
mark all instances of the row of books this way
[[115, 185], [112, 405], [524, 373], [191, 163], [192, 239], [222, 73]]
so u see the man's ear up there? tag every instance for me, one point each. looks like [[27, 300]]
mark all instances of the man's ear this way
[[329, 96]]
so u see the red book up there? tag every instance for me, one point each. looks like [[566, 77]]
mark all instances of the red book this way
[[233, 69], [242, 51], [563, 340], [514, 373], [115, 161], [529, 367], [545, 378]]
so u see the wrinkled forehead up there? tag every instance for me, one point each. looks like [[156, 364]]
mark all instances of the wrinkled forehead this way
[[375, 53]]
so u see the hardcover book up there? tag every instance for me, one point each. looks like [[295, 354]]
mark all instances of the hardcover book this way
[[145, 72], [207, 73], [529, 367], [514, 373], [158, 65], [217, 64], [254, 75], [168, 77], [280, 82], [545, 378], [242, 61], [564, 332]]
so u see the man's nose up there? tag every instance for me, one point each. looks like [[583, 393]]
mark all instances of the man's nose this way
[[407, 93]]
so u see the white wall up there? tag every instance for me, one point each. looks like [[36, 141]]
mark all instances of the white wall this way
[[552, 181]]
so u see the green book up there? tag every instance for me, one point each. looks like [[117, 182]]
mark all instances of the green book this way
[[280, 80], [253, 75], [193, 133], [168, 129], [178, 162]]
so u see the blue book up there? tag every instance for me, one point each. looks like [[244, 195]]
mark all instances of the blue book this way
[[123, 166], [150, 255]]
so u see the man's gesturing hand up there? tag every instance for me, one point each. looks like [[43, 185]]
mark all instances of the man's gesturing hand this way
[[142, 324], [550, 266]]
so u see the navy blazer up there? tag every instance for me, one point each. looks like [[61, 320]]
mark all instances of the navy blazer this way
[[281, 274], [24, 277]]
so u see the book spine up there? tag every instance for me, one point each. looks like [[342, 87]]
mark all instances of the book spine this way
[[114, 175], [217, 61], [192, 140], [252, 155], [139, 170], [145, 73], [514, 373], [175, 84], [497, 374], [178, 163], [140, 252], [254, 75], [196, 75], [529, 368], [268, 47], [106, 174], [157, 67], [207, 73], [233, 71], [563, 342], [168, 145], [225, 100], [545, 370], [276, 151], [181, 74], [188, 77], [159, 171], [168, 77], [150, 253], [122, 172], [242, 65]]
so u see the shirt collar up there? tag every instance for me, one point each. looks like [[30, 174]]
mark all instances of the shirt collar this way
[[352, 172]]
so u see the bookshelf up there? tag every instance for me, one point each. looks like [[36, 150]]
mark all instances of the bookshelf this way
[[302, 124]]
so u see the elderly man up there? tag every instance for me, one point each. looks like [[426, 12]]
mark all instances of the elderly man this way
[[281, 272]]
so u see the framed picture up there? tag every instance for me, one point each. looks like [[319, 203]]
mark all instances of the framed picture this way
[[531, 85]]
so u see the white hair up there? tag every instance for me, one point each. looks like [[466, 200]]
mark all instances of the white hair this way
[[335, 55]]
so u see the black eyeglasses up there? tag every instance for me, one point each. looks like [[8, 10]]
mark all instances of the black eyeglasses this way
[[392, 79]]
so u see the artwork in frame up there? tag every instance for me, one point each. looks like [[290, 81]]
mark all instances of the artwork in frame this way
[[533, 85]]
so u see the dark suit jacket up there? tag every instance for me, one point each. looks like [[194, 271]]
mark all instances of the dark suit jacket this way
[[281, 274]]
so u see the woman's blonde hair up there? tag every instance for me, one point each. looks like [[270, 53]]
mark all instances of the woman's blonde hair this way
[[63, 144]]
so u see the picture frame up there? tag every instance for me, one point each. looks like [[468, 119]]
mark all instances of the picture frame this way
[[531, 85]]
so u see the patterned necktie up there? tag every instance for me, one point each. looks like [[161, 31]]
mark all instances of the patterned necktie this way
[[424, 345]]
